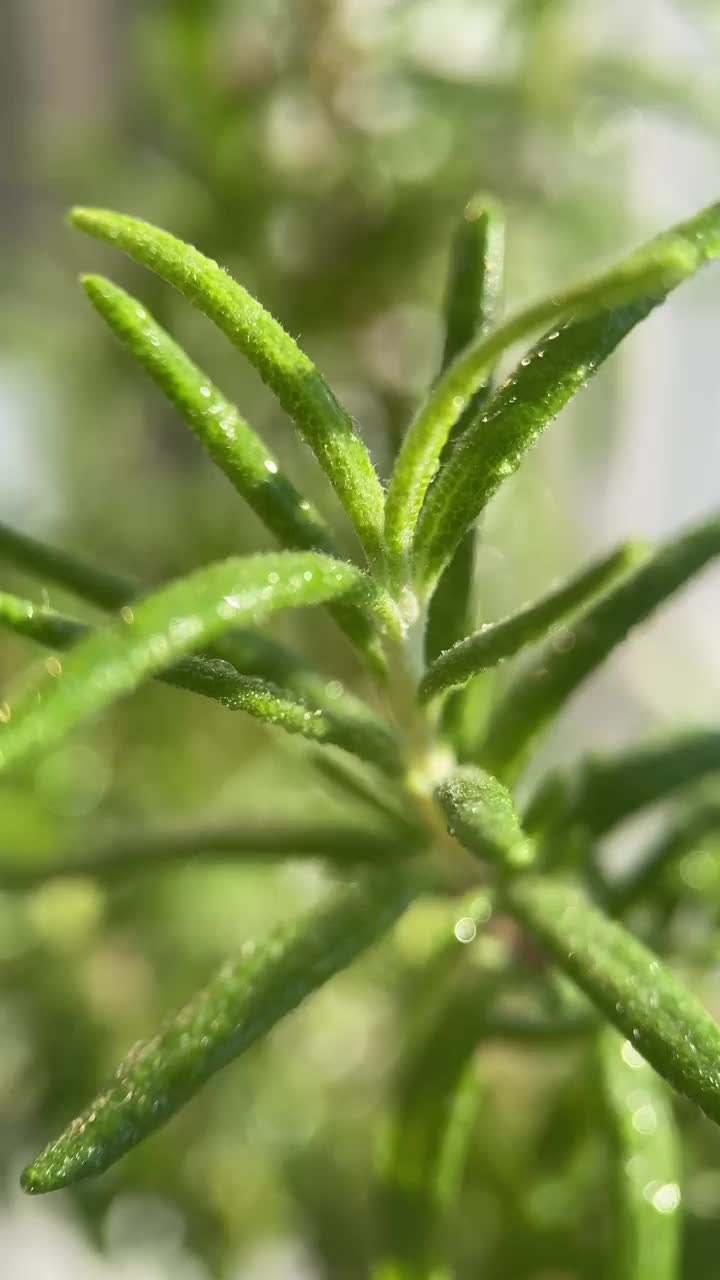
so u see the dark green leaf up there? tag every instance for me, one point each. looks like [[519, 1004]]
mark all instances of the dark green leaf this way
[[537, 695], [107, 590], [684, 836]]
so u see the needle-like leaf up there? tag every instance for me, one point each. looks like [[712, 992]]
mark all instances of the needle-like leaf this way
[[646, 1164], [291, 375], [179, 619], [98, 586], [684, 836], [365, 735], [537, 695], [635, 991], [228, 438], [500, 640], [239, 842], [240, 1005], [600, 314]]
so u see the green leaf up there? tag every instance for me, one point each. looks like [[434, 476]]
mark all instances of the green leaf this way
[[605, 790], [228, 438], [684, 836], [435, 1101], [302, 391], [600, 314], [107, 590], [366, 735], [475, 278], [240, 1005], [500, 640], [646, 1151], [481, 814], [241, 841], [537, 695], [633, 989], [180, 618]]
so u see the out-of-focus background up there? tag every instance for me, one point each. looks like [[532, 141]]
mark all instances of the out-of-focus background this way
[[322, 150]]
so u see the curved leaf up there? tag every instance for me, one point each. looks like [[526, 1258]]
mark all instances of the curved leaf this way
[[646, 1165], [240, 1005], [364, 735], [633, 989], [600, 314], [302, 391], [536, 696], [181, 618], [501, 640]]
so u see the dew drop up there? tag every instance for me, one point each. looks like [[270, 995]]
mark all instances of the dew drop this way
[[271, 466], [307, 575], [465, 929], [5, 712], [206, 392], [53, 666], [127, 614]]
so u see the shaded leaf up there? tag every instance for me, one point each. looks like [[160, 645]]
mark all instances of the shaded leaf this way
[[600, 314], [684, 836], [537, 695], [646, 1157], [240, 841], [302, 391], [180, 618], [240, 1005], [633, 989], [500, 640], [107, 590]]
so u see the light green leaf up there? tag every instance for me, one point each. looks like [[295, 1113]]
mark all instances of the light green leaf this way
[[240, 1005], [600, 314], [98, 586], [633, 989], [481, 814], [500, 640], [231, 442], [365, 735], [291, 375], [646, 1158], [537, 695], [182, 617], [241, 841]]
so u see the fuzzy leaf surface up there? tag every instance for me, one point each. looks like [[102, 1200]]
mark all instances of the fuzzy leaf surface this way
[[291, 375], [240, 1005], [501, 640], [177, 620], [635, 991], [597, 317]]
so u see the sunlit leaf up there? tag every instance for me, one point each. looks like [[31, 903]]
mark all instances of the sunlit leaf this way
[[291, 375], [635, 991], [174, 622], [537, 695], [240, 1005], [646, 1158], [596, 317], [500, 640]]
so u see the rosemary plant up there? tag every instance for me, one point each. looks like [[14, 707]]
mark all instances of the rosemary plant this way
[[441, 781]]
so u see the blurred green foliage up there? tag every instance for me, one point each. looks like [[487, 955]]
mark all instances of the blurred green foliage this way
[[321, 150]]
